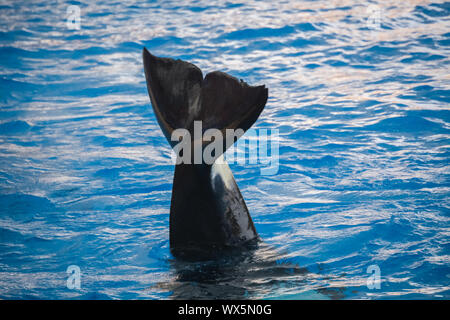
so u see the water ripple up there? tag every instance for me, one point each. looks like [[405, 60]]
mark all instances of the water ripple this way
[[363, 115]]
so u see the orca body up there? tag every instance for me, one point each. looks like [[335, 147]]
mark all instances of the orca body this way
[[208, 213]]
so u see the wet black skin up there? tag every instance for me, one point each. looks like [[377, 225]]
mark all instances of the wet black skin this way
[[208, 213]]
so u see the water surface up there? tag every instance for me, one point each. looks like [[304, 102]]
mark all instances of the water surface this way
[[358, 91]]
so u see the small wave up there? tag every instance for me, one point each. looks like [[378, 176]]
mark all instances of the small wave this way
[[14, 127]]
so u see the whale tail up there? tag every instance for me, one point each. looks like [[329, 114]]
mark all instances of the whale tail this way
[[180, 95], [207, 208]]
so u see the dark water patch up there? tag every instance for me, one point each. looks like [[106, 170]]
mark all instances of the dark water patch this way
[[109, 142], [263, 45], [427, 41], [326, 161], [306, 26], [126, 189], [14, 90], [14, 127], [246, 34], [377, 53], [426, 92], [368, 103], [94, 295], [445, 43], [9, 236], [402, 78], [12, 56], [433, 10], [442, 114], [436, 275], [78, 37], [108, 173], [103, 90], [362, 66], [333, 293], [25, 207], [335, 63], [412, 124], [306, 42], [405, 184], [422, 56], [131, 45], [312, 65], [199, 9], [12, 35], [163, 41]]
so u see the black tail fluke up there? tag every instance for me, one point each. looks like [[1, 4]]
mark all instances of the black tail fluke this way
[[207, 209], [180, 95]]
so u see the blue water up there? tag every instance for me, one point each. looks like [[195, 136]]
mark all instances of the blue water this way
[[361, 105]]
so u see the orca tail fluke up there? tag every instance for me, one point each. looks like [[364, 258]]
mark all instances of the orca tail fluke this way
[[207, 207], [180, 95]]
